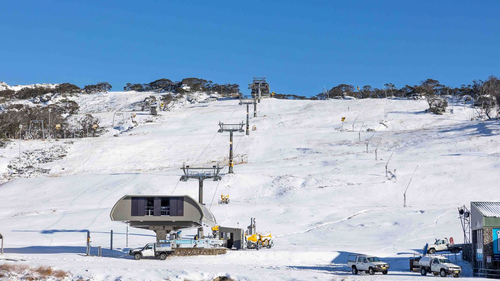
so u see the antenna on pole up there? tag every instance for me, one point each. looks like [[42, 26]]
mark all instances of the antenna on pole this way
[[231, 128], [464, 216], [404, 195], [200, 174]]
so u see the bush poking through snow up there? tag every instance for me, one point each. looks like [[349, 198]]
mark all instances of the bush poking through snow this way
[[26, 166], [24, 272]]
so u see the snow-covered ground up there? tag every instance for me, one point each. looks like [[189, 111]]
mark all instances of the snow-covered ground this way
[[302, 174]]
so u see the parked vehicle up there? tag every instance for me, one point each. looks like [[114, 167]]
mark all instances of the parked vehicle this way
[[368, 264], [438, 265], [152, 250], [443, 245]]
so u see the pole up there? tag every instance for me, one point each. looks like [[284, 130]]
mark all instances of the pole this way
[[126, 238], [230, 152], [111, 247], [259, 92], [248, 124], [404, 195], [386, 164], [200, 191], [20, 130], [88, 243], [254, 108]]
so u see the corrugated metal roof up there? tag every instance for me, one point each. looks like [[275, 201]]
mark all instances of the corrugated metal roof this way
[[488, 209]]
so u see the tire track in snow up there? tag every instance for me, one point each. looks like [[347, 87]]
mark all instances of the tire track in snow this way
[[327, 223]]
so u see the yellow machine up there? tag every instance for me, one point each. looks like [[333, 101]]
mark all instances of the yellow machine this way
[[215, 231], [224, 199], [253, 241], [267, 240]]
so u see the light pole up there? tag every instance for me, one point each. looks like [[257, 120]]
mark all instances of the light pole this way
[[50, 109], [20, 131]]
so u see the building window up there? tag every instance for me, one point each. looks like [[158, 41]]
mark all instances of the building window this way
[[138, 206], [165, 207], [157, 206], [150, 206]]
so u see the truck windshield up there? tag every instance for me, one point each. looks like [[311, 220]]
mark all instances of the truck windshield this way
[[444, 261], [373, 259]]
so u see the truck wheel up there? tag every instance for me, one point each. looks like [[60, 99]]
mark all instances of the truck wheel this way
[[371, 271], [423, 271], [137, 256], [432, 251], [354, 270], [163, 256], [384, 272], [442, 273]]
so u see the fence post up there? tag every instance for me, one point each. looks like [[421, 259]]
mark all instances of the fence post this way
[[88, 243], [99, 251], [111, 240]]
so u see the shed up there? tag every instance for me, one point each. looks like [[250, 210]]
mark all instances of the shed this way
[[485, 225], [234, 236], [162, 213]]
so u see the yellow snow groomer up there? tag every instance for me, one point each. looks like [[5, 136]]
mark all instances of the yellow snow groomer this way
[[224, 199]]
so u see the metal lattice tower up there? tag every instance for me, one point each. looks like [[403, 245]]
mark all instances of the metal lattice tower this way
[[200, 174], [464, 215], [248, 102], [231, 128]]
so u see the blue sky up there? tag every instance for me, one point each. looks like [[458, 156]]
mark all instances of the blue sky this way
[[300, 46]]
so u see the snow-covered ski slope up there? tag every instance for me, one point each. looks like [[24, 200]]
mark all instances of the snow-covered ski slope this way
[[301, 174]]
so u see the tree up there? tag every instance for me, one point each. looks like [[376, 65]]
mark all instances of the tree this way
[[67, 88], [389, 87], [102, 87], [490, 95], [366, 91]]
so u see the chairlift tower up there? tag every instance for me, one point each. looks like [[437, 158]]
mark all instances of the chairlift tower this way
[[248, 102], [32, 127], [231, 128], [260, 88], [200, 174]]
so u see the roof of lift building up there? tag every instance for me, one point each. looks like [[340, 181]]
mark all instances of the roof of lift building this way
[[488, 209]]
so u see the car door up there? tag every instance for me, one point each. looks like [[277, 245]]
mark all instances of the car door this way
[[362, 263], [441, 246], [148, 251], [435, 266]]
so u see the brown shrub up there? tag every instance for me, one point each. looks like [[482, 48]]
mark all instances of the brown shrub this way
[[44, 271]]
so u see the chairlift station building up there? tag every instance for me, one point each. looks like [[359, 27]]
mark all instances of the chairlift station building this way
[[162, 213], [485, 225]]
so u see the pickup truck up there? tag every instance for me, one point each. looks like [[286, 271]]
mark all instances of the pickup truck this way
[[152, 250], [368, 264], [438, 265], [442, 245]]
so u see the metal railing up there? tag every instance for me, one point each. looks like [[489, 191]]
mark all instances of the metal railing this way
[[488, 273]]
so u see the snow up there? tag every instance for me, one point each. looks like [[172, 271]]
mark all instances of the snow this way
[[303, 175]]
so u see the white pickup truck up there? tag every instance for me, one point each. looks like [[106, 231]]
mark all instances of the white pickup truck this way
[[152, 250], [443, 245], [438, 265], [368, 264]]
